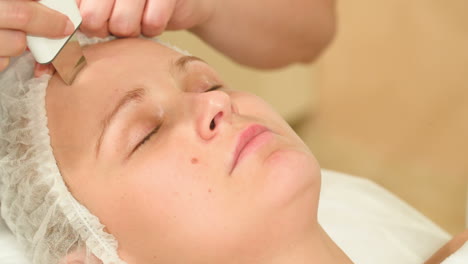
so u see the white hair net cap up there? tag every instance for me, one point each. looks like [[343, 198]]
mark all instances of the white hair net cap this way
[[35, 202]]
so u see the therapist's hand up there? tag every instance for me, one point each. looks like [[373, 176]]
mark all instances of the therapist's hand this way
[[21, 17], [130, 18]]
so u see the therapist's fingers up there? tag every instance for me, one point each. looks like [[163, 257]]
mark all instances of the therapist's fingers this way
[[126, 17], [156, 16], [13, 42], [41, 69], [102, 31], [95, 16], [4, 61], [34, 18]]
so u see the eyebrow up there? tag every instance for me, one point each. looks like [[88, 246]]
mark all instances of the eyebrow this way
[[135, 95], [182, 62]]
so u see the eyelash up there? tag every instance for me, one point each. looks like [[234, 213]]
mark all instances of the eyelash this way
[[155, 130], [214, 87], [146, 138]]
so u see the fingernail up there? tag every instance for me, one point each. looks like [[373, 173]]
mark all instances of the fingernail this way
[[69, 29]]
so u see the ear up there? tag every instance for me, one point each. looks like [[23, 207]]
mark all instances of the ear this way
[[79, 256]]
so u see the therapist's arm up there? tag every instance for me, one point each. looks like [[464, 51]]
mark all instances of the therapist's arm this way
[[257, 33], [448, 249], [270, 33]]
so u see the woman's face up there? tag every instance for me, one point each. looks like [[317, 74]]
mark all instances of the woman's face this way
[[176, 165]]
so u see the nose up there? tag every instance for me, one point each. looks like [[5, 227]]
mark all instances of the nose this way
[[214, 112]]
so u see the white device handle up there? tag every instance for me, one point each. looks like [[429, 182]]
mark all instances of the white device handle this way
[[45, 50]]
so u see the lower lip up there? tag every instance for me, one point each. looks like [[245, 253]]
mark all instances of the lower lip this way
[[254, 144]]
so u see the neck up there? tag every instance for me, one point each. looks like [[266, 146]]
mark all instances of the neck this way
[[314, 248]]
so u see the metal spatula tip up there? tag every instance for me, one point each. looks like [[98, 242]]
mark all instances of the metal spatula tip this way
[[70, 61]]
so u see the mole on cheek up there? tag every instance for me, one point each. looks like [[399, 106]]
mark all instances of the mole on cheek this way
[[194, 161]]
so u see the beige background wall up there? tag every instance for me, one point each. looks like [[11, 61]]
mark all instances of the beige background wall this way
[[393, 101], [388, 100]]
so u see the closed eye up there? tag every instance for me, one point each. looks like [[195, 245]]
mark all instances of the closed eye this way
[[146, 138], [155, 130], [215, 87]]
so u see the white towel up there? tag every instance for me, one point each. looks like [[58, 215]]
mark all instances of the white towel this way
[[372, 225], [459, 257]]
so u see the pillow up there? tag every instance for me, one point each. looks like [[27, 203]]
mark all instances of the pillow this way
[[459, 257], [372, 225]]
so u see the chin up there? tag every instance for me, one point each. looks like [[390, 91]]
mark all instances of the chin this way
[[292, 179]]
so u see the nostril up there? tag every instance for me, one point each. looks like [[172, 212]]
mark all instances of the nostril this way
[[216, 120], [212, 124]]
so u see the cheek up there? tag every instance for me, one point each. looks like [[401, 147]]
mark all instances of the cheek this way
[[169, 185], [167, 180], [253, 106], [291, 176], [160, 203], [183, 209]]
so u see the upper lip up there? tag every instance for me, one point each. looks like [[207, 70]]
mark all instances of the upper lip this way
[[249, 133]]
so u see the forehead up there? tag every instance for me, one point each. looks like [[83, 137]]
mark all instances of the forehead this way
[[124, 48], [114, 66]]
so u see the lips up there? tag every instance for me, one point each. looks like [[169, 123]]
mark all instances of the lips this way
[[247, 138]]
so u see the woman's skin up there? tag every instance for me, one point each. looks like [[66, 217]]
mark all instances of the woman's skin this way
[[176, 198]]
